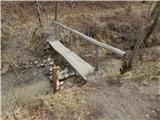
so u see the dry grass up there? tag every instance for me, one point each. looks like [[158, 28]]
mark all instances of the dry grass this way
[[148, 72], [68, 104]]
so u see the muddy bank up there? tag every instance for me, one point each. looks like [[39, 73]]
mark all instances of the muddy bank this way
[[16, 92]]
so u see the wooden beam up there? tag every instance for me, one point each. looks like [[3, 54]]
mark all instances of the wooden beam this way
[[93, 41], [55, 18], [54, 79], [97, 58], [55, 11]]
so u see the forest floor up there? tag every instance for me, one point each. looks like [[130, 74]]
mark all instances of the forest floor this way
[[26, 92]]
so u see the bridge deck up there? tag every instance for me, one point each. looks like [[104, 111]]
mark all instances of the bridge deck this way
[[82, 67]]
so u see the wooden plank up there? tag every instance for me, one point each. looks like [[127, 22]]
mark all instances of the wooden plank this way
[[93, 41], [82, 67]]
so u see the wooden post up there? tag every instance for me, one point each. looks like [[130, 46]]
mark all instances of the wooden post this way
[[97, 58], [54, 78], [55, 11], [55, 19]]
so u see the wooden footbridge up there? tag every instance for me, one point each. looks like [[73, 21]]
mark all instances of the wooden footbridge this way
[[81, 66]]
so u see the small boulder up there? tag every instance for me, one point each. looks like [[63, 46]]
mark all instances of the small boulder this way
[[66, 75], [35, 62]]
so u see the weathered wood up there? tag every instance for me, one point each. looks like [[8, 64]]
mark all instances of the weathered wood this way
[[82, 67], [97, 58], [55, 18], [54, 79], [93, 41], [55, 11]]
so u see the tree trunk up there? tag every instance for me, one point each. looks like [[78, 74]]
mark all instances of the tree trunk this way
[[39, 12], [154, 17]]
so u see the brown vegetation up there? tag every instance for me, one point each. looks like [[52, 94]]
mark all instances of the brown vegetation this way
[[118, 24]]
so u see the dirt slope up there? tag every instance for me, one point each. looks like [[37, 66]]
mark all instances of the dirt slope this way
[[122, 100]]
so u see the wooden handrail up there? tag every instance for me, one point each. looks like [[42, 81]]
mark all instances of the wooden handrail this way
[[93, 41]]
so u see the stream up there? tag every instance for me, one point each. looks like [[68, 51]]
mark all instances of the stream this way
[[22, 89]]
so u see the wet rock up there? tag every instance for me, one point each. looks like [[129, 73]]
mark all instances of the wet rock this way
[[51, 63], [57, 67], [51, 69], [49, 59], [72, 74], [31, 63], [66, 75], [58, 83], [44, 62], [64, 71], [61, 83], [42, 65], [35, 62], [60, 77], [5, 69]]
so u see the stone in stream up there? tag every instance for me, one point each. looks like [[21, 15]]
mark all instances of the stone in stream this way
[[66, 75], [60, 77], [62, 74], [58, 83], [64, 71], [61, 83], [45, 63], [49, 59], [35, 62], [31, 63], [41, 65], [51, 63], [58, 68], [50, 69], [71, 74]]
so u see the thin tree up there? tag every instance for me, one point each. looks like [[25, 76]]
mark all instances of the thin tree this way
[[153, 20], [39, 12]]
